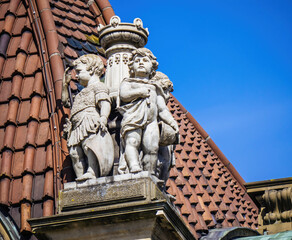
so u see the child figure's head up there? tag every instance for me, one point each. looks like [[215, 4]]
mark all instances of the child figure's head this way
[[165, 83], [141, 61], [88, 66]]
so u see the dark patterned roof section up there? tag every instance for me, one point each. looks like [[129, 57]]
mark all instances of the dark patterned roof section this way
[[207, 193]]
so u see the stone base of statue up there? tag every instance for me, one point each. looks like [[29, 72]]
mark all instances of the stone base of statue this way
[[128, 206]]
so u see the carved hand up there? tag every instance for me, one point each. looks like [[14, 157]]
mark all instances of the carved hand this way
[[103, 123], [175, 127], [145, 93]]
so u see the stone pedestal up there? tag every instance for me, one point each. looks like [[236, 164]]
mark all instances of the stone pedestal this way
[[126, 206]]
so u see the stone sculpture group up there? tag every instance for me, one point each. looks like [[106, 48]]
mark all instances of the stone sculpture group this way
[[147, 129]]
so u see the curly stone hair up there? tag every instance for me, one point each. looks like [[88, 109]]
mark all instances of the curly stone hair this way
[[93, 63], [143, 52]]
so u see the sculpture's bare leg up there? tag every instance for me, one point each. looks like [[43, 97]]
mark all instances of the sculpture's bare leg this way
[[78, 160], [92, 170], [132, 144], [150, 145]]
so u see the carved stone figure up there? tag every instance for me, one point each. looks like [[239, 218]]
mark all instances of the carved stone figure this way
[[143, 106], [90, 145]]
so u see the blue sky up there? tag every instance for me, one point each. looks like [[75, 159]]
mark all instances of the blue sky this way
[[230, 62]]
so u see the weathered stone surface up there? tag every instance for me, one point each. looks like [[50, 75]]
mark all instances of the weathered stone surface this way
[[131, 208]]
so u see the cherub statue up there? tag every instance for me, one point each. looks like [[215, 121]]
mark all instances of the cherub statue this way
[[143, 104], [90, 145]]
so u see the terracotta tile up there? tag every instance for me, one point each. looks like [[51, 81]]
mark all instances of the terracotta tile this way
[[77, 11], [12, 110], [29, 155], [107, 14], [3, 9], [44, 113], [39, 163], [39, 182], [100, 20], [35, 107], [9, 136], [20, 141], [21, 10], [17, 164], [62, 39], [58, 12], [61, 6], [27, 86], [27, 183], [6, 163], [25, 215], [18, 25], [32, 47], [58, 20], [8, 68], [32, 64], [3, 115], [69, 52], [83, 28], [49, 184], [4, 190], [20, 61], [2, 134], [15, 191], [43, 133], [9, 21], [49, 157], [38, 84], [95, 9], [23, 113], [16, 85], [13, 46], [69, 24], [79, 36], [25, 40], [87, 21], [73, 17], [48, 209], [32, 132], [63, 31]]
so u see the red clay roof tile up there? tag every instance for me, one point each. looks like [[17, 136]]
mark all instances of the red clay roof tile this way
[[15, 191], [18, 25], [29, 154], [23, 113], [17, 164], [9, 136], [20, 140], [32, 64], [4, 190], [27, 85], [39, 160]]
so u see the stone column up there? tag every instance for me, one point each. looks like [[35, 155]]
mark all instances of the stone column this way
[[119, 40]]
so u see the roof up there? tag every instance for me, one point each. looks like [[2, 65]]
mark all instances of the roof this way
[[37, 38]]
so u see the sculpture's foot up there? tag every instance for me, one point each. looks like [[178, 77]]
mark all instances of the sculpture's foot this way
[[85, 177], [135, 169]]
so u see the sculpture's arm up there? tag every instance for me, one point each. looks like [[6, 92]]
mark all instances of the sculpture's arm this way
[[165, 114], [128, 94], [105, 109], [65, 93]]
